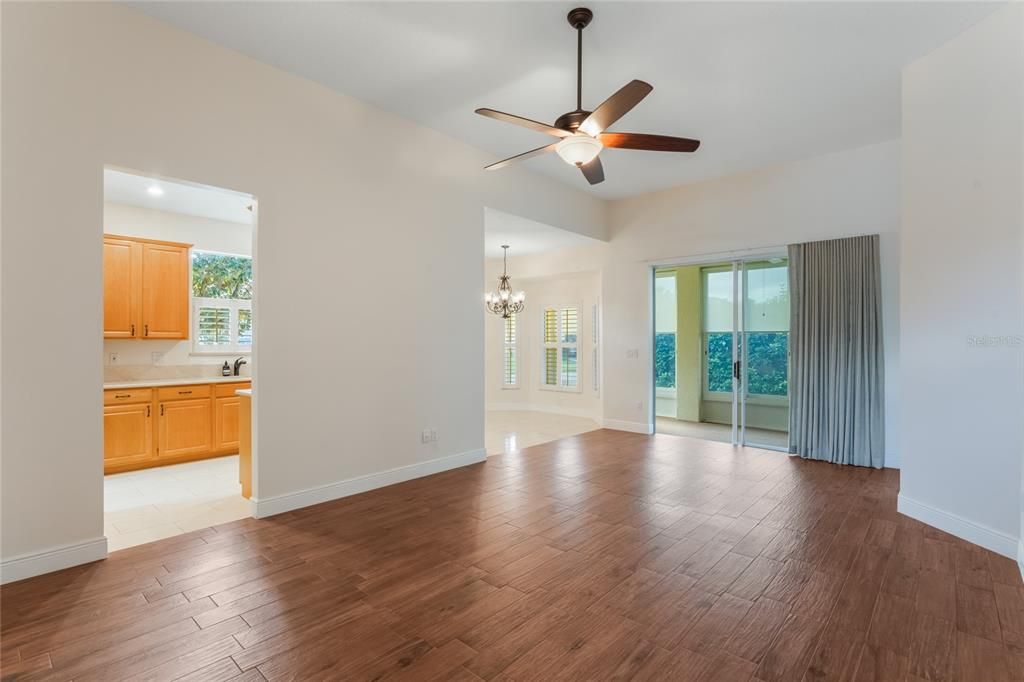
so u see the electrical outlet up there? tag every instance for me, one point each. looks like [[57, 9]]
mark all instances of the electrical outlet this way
[[425, 436], [113, 358], [433, 435], [633, 353], [156, 357]]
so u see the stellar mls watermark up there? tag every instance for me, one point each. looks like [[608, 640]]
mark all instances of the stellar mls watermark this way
[[990, 341]]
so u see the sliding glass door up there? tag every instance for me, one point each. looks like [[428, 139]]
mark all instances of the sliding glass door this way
[[762, 354], [722, 351]]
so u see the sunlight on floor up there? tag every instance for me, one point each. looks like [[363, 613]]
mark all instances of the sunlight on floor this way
[[510, 430], [151, 504]]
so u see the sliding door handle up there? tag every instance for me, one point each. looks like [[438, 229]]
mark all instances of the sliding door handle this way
[[736, 370]]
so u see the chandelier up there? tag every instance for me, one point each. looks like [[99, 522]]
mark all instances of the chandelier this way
[[503, 302]]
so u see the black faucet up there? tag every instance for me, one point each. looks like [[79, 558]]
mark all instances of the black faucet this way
[[238, 365]]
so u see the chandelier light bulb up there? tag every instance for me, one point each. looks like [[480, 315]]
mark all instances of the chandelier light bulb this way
[[579, 149]]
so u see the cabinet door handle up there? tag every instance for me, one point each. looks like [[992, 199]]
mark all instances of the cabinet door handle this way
[[145, 330], [122, 395], [147, 410], [133, 331], [184, 392], [161, 410]]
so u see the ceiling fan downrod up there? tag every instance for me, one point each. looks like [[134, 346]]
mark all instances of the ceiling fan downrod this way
[[579, 18]]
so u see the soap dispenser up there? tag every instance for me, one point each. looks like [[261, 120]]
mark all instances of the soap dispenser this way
[[226, 369]]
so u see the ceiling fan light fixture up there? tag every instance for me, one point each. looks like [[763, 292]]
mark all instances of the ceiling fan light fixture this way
[[579, 149]]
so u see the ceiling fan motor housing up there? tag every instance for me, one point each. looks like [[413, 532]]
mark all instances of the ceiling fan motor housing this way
[[571, 120]]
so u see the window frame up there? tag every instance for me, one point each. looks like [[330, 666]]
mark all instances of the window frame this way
[[232, 304], [595, 347], [506, 345], [559, 345]]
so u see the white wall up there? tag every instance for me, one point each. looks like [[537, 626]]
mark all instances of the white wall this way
[[583, 288], [844, 194], [204, 234], [351, 200], [961, 280]]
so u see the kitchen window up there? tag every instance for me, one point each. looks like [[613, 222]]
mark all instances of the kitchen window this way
[[221, 303]]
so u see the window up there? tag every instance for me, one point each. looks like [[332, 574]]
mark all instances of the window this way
[[765, 341], [510, 349], [561, 348], [221, 303], [766, 327], [665, 311], [718, 325]]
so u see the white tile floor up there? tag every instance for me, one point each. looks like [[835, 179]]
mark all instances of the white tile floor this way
[[152, 504], [510, 430]]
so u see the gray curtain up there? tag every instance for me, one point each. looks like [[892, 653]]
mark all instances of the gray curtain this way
[[837, 374]]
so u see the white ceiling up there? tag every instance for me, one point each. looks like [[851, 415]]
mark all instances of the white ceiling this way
[[759, 83], [525, 236], [177, 197]]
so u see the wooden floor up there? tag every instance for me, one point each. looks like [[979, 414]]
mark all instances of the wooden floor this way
[[603, 556]]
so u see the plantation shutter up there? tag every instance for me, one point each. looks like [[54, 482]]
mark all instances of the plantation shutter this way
[[214, 326], [510, 370], [570, 334], [550, 347]]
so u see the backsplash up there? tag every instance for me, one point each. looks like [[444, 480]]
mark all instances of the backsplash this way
[[142, 372]]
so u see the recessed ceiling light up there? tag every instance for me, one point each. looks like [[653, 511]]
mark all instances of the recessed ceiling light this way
[[155, 190]]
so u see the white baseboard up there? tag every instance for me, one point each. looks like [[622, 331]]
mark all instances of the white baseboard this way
[[547, 409], [981, 535], [633, 427], [53, 559], [1020, 557], [269, 506]]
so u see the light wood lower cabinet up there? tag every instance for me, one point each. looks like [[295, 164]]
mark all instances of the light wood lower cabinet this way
[[144, 427], [225, 424], [185, 428], [127, 435]]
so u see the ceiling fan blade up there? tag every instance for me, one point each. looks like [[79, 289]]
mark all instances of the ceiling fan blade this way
[[524, 122], [651, 143], [615, 107], [593, 171], [522, 157]]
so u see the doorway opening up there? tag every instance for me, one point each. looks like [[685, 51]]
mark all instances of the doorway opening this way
[[178, 341], [542, 369], [721, 351]]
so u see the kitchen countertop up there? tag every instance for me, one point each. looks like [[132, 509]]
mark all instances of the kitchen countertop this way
[[178, 381]]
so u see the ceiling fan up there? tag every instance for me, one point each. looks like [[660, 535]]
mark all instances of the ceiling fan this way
[[582, 132]]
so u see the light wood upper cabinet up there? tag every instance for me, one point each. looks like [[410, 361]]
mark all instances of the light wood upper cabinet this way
[[122, 288], [127, 434], [145, 288], [184, 428], [165, 289]]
